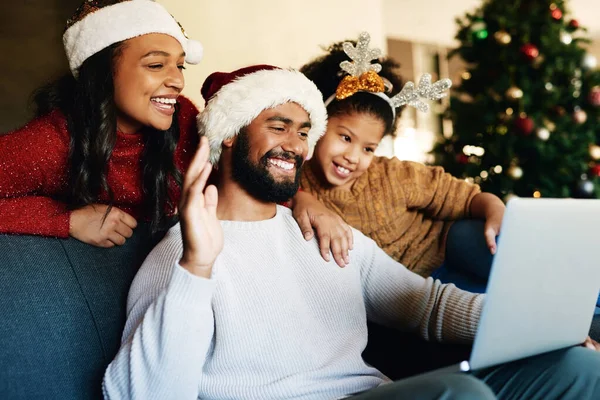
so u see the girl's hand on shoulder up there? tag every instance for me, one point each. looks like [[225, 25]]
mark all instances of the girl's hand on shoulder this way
[[91, 225], [333, 233]]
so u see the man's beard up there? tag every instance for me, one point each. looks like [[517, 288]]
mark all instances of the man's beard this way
[[256, 179]]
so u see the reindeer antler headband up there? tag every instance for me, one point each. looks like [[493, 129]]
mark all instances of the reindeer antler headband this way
[[363, 77]]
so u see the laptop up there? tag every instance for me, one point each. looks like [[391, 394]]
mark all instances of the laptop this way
[[544, 282]]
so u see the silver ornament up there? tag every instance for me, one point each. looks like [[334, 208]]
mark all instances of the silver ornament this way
[[565, 38]]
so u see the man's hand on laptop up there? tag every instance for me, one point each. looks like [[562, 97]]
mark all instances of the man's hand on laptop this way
[[200, 228], [333, 233], [591, 344]]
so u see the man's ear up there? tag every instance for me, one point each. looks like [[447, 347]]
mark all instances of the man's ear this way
[[229, 142]]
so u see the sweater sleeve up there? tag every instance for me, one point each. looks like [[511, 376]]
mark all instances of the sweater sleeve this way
[[34, 215], [399, 298], [170, 324], [33, 169], [435, 192]]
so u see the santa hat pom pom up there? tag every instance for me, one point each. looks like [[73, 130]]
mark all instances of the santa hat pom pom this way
[[194, 53]]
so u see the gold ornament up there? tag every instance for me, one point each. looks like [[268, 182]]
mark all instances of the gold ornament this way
[[550, 125], [367, 82], [514, 93], [502, 37], [595, 152], [501, 130], [538, 61]]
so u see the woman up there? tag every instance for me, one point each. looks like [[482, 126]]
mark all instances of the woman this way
[[111, 140]]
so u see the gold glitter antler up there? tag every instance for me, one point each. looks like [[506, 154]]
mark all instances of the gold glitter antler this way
[[425, 90], [361, 56]]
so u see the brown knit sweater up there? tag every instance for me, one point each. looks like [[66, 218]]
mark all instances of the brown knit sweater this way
[[406, 207]]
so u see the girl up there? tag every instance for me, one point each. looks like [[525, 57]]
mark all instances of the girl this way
[[406, 207], [111, 139]]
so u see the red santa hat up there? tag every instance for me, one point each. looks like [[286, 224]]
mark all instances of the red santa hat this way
[[98, 24], [235, 99]]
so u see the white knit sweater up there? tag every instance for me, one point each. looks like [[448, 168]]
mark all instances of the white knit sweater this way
[[275, 321]]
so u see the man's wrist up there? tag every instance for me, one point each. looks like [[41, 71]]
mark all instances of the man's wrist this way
[[196, 268]]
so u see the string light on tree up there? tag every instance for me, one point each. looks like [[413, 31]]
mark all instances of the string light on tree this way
[[595, 152], [502, 37], [566, 38], [589, 62], [543, 134], [537, 194], [479, 29], [514, 93], [515, 172], [579, 116]]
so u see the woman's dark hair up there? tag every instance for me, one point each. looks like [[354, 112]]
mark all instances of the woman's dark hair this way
[[325, 72], [89, 107]]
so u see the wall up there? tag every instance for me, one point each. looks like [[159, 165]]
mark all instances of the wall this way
[[237, 33], [32, 53]]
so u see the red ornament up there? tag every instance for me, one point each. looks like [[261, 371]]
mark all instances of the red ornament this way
[[524, 125], [594, 96], [574, 24], [529, 51], [556, 14], [595, 170], [462, 159]]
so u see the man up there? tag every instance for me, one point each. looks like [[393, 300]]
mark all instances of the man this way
[[235, 304]]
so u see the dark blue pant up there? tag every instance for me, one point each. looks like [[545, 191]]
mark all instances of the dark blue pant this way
[[468, 259], [570, 374]]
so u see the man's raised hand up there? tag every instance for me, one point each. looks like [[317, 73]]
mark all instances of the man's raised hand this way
[[201, 230]]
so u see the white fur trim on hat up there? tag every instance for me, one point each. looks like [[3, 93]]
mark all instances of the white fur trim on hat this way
[[239, 102], [122, 21]]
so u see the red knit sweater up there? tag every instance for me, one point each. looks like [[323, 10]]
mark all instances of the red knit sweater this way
[[34, 173]]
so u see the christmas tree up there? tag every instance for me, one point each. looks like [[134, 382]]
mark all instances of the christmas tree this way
[[526, 114]]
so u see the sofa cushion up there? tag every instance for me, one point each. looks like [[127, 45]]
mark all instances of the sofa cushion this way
[[63, 306]]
